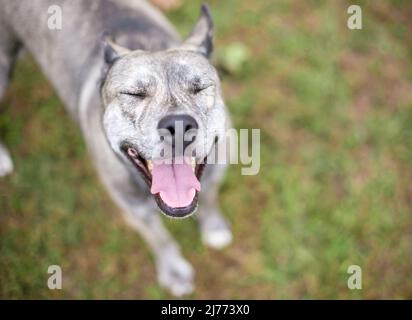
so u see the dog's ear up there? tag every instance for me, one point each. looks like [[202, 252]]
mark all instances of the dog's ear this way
[[201, 37], [111, 50]]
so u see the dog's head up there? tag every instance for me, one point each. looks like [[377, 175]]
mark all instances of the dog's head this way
[[164, 113]]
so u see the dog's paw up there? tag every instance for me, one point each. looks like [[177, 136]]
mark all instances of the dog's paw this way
[[216, 232], [6, 164], [217, 239], [175, 274]]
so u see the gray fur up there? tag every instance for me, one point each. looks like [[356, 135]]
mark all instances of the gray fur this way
[[150, 57]]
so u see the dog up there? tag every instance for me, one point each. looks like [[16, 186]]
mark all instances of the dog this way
[[124, 74]]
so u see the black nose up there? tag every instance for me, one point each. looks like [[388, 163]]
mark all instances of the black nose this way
[[178, 125], [173, 123]]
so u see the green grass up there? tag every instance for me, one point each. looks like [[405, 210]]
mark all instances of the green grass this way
[[335, 111]]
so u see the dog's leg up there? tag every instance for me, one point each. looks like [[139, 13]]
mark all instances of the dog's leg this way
[[6, 164], [173, 271], [8, 51], [215, 229]]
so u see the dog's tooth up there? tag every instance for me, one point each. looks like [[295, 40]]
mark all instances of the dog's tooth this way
[[193, 163], [150, 165]]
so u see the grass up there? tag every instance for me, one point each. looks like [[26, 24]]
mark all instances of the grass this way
[[335, 111]]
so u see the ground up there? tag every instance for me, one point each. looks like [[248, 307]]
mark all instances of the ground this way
[[335, 111]]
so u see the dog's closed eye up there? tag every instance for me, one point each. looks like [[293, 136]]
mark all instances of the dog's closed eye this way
[[196, 88], [141, 94]]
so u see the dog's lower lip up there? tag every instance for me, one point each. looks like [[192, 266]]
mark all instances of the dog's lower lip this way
[[180, 212]]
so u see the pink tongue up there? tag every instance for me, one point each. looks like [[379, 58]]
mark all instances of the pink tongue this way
[[176, 183]]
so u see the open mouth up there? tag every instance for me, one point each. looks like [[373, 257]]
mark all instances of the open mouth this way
[[175, 184]]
